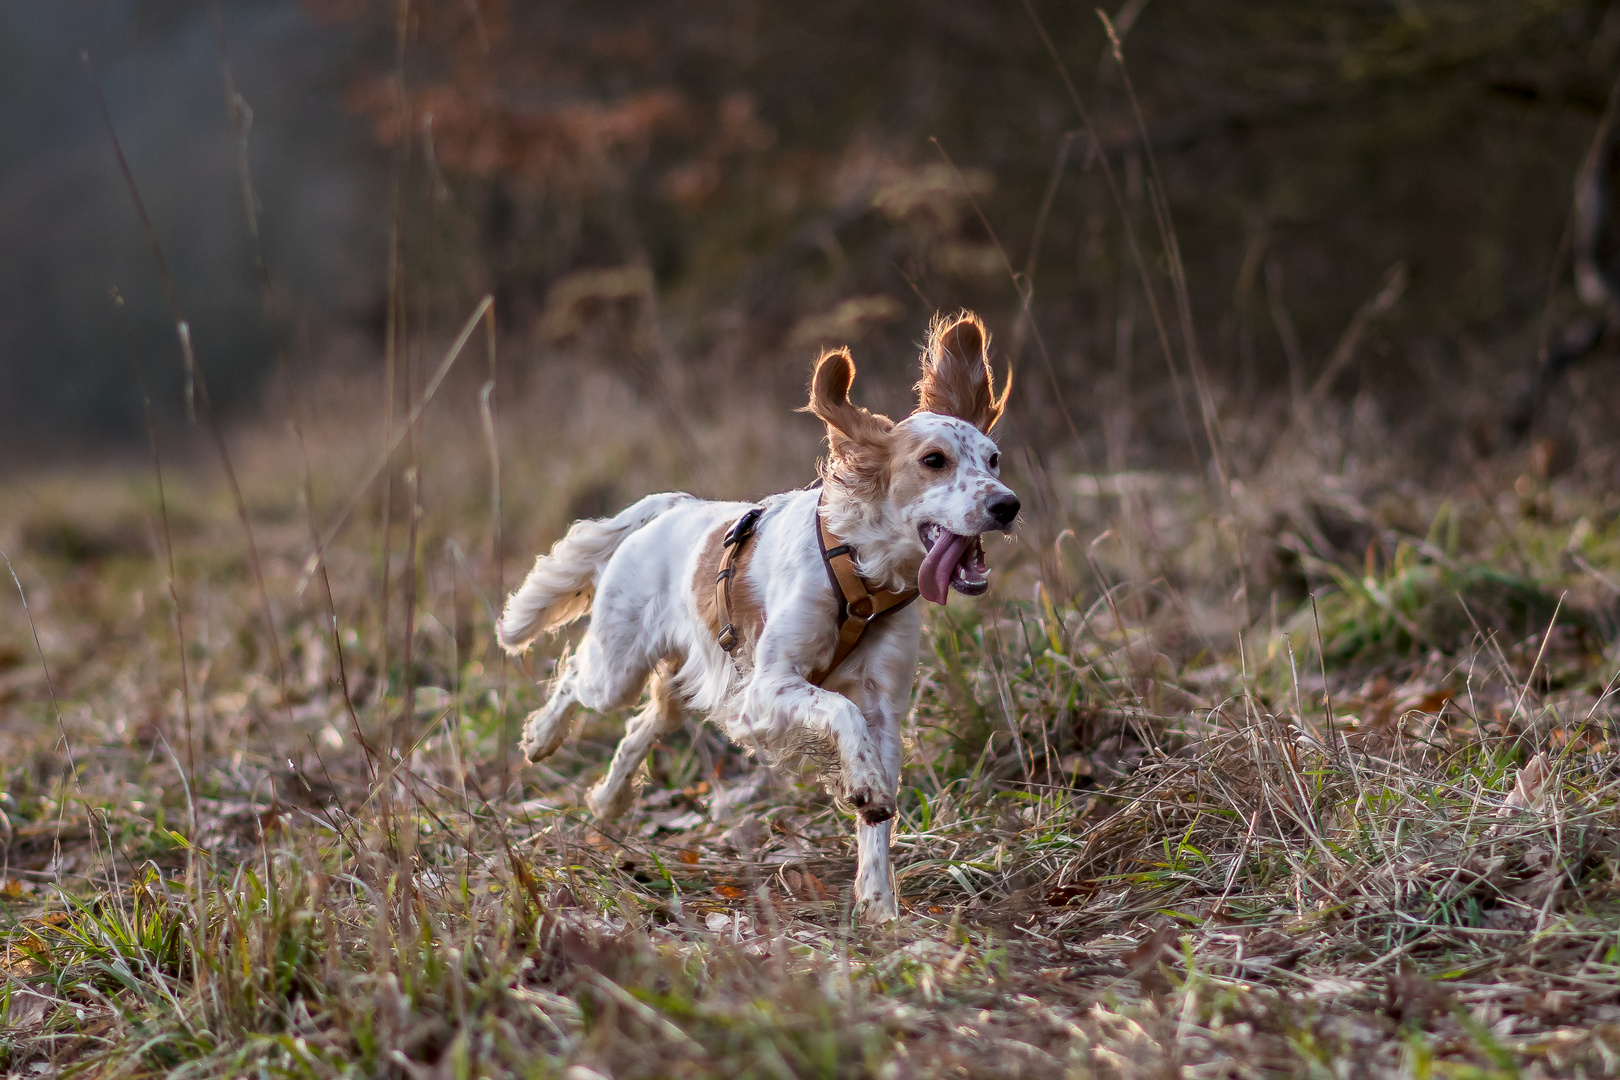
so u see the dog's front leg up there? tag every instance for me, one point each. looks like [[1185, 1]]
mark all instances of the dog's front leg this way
[[777, 703], [875, 900], [874, 876], [869, 755]]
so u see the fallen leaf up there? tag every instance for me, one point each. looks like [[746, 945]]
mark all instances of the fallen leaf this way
[[1061, 895], [687, 856], [745, 836], [1529, 788], [1432, 702], [678, 821], [803, 885], [1410, 999], [27, 1009], [814, 889], [717, 921], [1144, 960]]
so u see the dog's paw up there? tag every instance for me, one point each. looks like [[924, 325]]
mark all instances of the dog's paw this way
[[609, 804], [873, 805], [543, 732], [534, 750], [879, 911]]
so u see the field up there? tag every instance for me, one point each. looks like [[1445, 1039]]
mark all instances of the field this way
[[1308, 773]]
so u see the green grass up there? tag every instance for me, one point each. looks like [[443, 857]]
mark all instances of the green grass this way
[[1142, 829]]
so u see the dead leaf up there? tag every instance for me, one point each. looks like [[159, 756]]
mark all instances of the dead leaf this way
[[745, 836], [1061, 895], [1410, 999], [1529, 788], [803, 885], [28, 1009], [602, 953], [1144, 960], [273, 815], [678, 821], [687, 856], [1431, 702], [1553, 1006], [1545, 878], [718, 921]]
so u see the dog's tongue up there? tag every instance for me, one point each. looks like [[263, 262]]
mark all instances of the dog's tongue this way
[[934, 579]]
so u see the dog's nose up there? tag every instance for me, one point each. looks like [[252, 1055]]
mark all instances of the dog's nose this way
[[1004, 510]]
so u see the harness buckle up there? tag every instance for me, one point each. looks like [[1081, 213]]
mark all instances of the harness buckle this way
[[742, 528], [728, 638]]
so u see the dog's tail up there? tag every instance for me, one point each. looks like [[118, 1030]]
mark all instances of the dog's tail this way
[[563, 582]]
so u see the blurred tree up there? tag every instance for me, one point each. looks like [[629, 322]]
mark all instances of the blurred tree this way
[[769, 164], [708, 191]]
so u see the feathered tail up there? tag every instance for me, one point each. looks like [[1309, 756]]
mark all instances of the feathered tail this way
[[563, 582]]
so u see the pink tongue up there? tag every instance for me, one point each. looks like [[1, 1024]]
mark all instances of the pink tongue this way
[[934, 579]]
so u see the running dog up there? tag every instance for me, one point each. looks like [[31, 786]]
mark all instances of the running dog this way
[[788, 623]]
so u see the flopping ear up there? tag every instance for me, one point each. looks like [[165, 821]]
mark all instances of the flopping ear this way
[[829, 401], [956, 376]]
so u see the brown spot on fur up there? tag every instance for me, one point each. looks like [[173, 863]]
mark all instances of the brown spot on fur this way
[[661, 687], [747, 616], [957, 380]]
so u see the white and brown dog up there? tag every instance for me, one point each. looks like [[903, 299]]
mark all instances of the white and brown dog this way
[[768, 655]]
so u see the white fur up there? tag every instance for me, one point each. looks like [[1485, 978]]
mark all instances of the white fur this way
[[636, 573]]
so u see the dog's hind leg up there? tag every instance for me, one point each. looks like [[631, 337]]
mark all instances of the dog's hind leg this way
[[662, 715], [591, 678], [547, 727]]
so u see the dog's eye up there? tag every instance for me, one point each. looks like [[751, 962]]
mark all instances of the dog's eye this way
[[995, 461], [936, 460]]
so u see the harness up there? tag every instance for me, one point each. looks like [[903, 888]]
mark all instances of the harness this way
[[858, 605]]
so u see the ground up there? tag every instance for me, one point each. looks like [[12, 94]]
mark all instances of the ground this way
[[1312, 774]]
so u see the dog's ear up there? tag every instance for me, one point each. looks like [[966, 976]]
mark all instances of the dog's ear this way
[[956, 376], [829, 401]]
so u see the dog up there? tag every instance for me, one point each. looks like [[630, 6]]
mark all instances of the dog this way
[[744, 612]]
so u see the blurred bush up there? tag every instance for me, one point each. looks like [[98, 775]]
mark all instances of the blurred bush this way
[[771, 167], [697, 195]]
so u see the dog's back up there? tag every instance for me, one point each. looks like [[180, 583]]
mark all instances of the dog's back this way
[[562, 584]]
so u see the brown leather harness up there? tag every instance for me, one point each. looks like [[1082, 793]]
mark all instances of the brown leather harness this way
[[859, 605]]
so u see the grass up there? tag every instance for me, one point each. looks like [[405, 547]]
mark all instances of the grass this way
[[1148, 826]]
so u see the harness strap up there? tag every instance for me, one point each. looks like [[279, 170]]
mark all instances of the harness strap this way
[[858, 606], [732, 545]]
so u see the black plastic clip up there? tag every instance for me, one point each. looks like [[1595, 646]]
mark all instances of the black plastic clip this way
[[742, 528]]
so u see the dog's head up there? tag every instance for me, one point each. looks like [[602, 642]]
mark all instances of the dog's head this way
[[937, 471]]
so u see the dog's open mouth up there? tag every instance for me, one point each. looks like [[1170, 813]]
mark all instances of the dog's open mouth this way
[[953, 562]]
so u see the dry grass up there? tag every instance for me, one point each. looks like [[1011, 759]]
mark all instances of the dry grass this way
[[1150, 825]]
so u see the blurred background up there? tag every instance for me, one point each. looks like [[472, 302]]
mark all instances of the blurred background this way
[[1371, 204]]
